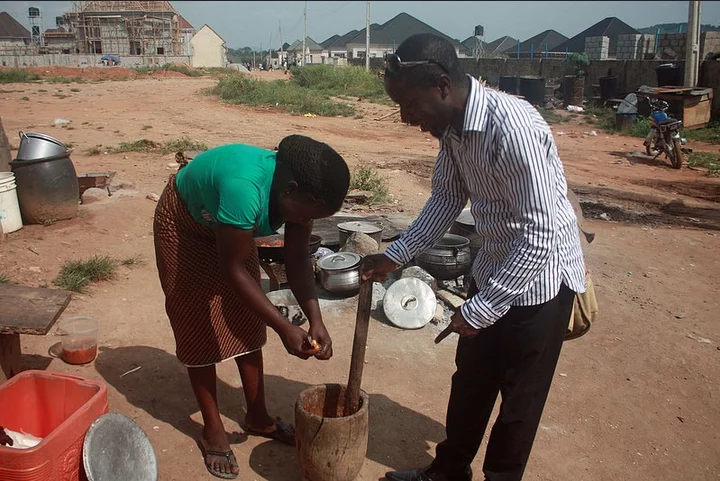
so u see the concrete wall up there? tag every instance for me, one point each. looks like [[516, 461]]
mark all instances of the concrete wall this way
[[208, 49], [635, 46], [597, 48], [709, 76], [672, 41], [72, 60], [709, 43]]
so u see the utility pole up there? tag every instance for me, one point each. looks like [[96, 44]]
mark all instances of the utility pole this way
[[367, 36], [692, 44], [304, 33]]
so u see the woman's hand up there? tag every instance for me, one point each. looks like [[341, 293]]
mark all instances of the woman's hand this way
[[296, 341], [319, 333]]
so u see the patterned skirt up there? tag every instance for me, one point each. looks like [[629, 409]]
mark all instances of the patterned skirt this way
[[209, 321]]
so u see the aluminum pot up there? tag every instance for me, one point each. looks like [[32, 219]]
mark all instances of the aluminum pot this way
[[340, 273], [34, 146], [448, 259], [346, 229]]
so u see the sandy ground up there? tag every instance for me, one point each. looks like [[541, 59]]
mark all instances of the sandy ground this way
[[635, 399]]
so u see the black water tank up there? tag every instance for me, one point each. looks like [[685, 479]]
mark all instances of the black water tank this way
[[508, 84], [533, 89], [669, 74]]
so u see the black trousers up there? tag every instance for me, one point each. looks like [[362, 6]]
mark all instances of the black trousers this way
[[515, 357]]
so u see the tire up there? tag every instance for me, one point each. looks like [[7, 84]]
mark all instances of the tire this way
[[649, 150], [677, 158]]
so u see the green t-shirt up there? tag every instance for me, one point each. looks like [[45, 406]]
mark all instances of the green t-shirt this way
[[230, 184]]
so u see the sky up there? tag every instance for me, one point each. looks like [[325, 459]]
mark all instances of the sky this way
[[256, 24]]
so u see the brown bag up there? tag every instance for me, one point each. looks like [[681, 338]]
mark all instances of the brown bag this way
[[584, 311]]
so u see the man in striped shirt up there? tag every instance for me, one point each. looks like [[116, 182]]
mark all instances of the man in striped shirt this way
[[498, 152]]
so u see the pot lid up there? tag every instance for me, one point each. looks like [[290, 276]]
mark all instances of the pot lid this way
[[358, 226], [339, 261], [409, 303], [115, 447], [466, 218]]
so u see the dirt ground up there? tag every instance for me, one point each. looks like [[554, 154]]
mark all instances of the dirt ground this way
[[635, 399]]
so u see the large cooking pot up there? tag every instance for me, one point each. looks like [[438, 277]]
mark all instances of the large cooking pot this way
[[464, 226], [346, 229], [47, 189], [340, 273], [272, 248], [35, 146], [448, 259]]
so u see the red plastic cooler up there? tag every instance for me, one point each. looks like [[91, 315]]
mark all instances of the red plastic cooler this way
[[56, 407]]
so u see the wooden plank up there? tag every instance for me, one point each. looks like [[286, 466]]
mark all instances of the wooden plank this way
[[327, 228], [10, 358], [30, 310]]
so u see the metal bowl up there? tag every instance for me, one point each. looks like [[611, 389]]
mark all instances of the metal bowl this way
[[35, 146]]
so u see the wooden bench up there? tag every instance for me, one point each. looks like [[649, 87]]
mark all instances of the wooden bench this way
[[25, 310]]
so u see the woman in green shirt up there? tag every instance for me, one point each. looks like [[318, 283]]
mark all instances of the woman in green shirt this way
[[204, 229]]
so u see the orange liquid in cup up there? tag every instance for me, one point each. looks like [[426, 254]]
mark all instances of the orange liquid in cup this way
[[79, 356]]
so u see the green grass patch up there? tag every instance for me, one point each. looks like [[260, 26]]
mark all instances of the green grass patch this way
[[4, 279], [148, 146], [65, 80], [133, 261], [710, 134], [76, 275], [552, 117], [17, 76], [707, 160], [74, 90], [25, 98], [366, 177], [93, 151], [348, 81], [145, 127], [240, 89]]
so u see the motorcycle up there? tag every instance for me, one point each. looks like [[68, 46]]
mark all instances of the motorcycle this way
[[664, 135]]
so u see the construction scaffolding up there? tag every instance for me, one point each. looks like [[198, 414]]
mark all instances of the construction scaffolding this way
[[125, 28]]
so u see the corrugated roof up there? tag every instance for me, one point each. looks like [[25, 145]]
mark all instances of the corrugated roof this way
[[396, 30], [609, 27], [119, 6], [11, 28], [310, 45], [339, 41], [551, 38]]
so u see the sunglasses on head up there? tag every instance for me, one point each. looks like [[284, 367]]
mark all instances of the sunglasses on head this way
[[394, 65]]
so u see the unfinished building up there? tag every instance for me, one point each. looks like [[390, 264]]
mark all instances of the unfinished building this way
[[128, 29]]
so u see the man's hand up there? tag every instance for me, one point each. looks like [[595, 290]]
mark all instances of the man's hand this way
[[319, 333], [461, 326], [376, 267]]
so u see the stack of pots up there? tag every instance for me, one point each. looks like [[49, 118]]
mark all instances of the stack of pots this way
[[47, 185]]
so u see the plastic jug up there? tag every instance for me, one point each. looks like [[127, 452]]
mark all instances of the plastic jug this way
[[79, 339]]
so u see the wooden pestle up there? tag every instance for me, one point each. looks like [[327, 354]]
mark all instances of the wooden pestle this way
[[352, 392]]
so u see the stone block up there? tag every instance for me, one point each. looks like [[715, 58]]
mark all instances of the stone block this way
[[421, 274], [361, 244]]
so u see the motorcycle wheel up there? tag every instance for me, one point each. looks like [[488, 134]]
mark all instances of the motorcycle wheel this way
[[650, 151], [677, 158]]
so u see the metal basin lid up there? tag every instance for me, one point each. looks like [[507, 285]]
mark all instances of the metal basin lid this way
[[358, 226], [115, 448], [339, 261], [409, 303], [38, 135]]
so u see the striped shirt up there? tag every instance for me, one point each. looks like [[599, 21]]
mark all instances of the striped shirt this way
[[506, 163]]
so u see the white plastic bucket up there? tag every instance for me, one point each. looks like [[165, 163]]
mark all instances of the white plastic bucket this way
[[10, 218]]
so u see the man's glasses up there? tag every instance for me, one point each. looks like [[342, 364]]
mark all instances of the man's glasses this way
[[394, 65]]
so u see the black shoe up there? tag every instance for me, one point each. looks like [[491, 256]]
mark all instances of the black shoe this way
[[427, 474]]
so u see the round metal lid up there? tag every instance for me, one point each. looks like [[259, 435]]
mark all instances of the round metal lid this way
[[466, 218], [359, 226], [117, 449], [409, 303], [339, 261]]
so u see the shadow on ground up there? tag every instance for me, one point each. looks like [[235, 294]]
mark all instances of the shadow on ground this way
[[399, 437]]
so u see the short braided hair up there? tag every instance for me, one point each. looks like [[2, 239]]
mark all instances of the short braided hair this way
[[317, 168], [426, 46]]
